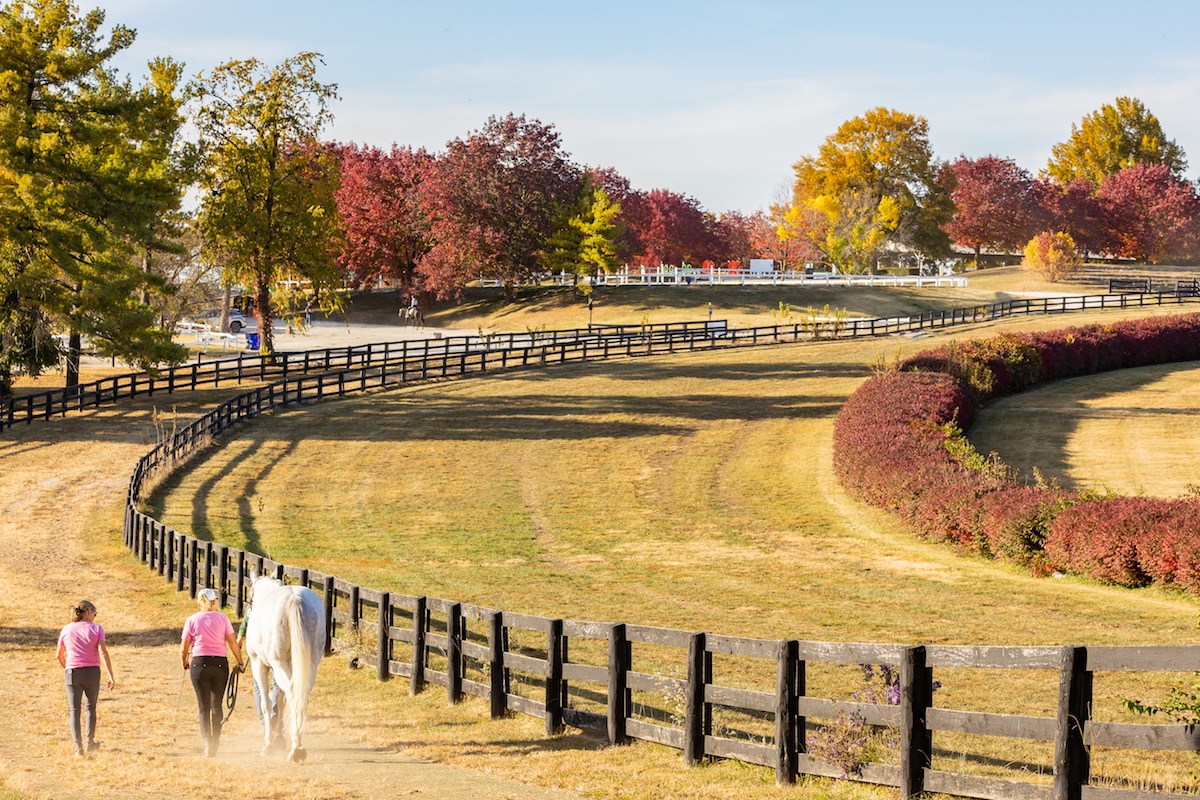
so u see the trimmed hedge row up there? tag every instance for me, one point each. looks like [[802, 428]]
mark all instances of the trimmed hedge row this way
[[898, 444]]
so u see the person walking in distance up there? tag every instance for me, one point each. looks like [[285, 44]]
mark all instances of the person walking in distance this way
[[80, 648], [202, 651]]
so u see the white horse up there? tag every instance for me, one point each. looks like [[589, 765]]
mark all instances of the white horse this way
[[285, 635]]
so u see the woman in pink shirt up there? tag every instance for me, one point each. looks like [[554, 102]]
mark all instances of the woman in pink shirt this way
[[80, 647], [205, 635]]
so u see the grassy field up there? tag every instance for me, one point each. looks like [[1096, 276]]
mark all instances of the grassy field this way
[[693, 492], [1131, 432]]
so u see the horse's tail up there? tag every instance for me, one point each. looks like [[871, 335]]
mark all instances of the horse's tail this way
[[304, 663]]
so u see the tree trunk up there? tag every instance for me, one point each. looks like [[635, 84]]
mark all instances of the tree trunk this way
[[74, 345], [262, 303], [978, 248]]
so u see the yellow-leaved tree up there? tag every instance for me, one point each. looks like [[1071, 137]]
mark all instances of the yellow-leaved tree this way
[[1052, 255], [873, 183]]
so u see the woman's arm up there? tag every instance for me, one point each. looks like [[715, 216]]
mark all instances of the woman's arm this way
[[112, 681], [185, 650], [234, 648], [62, 654]]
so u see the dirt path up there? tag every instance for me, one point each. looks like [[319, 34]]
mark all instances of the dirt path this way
[[61, 494]]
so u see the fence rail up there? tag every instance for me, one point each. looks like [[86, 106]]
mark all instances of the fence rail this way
[[439, 357], [470, 650]]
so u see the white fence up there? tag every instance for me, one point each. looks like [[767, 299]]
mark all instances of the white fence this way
[[667, 275]]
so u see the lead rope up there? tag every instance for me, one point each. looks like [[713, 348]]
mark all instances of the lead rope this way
[[231, 694]]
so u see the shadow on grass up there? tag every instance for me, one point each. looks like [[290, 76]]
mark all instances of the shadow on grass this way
[[1061, 408]]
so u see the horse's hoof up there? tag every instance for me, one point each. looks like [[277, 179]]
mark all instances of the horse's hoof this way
[[266, 751], [298, 755]]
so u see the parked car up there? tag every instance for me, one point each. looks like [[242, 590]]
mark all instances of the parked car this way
[[238, 321]]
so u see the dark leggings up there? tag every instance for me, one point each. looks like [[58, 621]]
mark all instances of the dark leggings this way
[[210, 675], [83, 684]]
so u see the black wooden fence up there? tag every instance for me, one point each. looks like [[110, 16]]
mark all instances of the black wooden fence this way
[[469, 649], [401, 635], [1189, 287], [455, 355]]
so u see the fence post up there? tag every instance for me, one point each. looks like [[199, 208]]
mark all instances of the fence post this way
[[163, 554], [329, 597], [693, 721], [383, 669], [554, 671], [223, 575], [239, 594], [916, 740], [499, 688], [193, 568], [618, 687], [181, 563], [209, 550], [1072, 764], [454, 626], [786, 753], [418, 654]]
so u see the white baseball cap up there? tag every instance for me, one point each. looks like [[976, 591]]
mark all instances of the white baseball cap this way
[[209, 594]]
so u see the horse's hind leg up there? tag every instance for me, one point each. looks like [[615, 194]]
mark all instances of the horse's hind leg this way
[[298, 753]]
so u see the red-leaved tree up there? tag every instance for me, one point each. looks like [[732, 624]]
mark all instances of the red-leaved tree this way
[[996, 205], [1075, 210], [494, 200], [386, 231], [1152, 215], [674, 229]]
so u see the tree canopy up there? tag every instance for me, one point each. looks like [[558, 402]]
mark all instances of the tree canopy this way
[[997, 204], [385, 228], [1151, 214], [1113, 137], [87, 177], [494, 200], [268, 211], [874, 181]]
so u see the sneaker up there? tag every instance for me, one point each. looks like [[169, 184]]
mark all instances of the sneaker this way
[[93, 746], [209, 750], [79, 753]]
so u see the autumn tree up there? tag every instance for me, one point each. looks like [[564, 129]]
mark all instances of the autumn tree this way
[[1152, 215], [996, 205], [385, 229], [1051, 255], [268, 210], [494, 201], [735, 236], [86, 178], [672, 229], [586, 236], [872, 182], [1114, 137], [1075, 209]]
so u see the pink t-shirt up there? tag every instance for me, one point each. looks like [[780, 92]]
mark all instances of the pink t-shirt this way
[[206, 630], [82, 641]]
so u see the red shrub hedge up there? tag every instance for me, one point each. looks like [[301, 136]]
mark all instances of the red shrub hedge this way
[[896, 446]]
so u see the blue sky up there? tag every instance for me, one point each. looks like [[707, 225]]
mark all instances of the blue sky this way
[[711, 99]]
